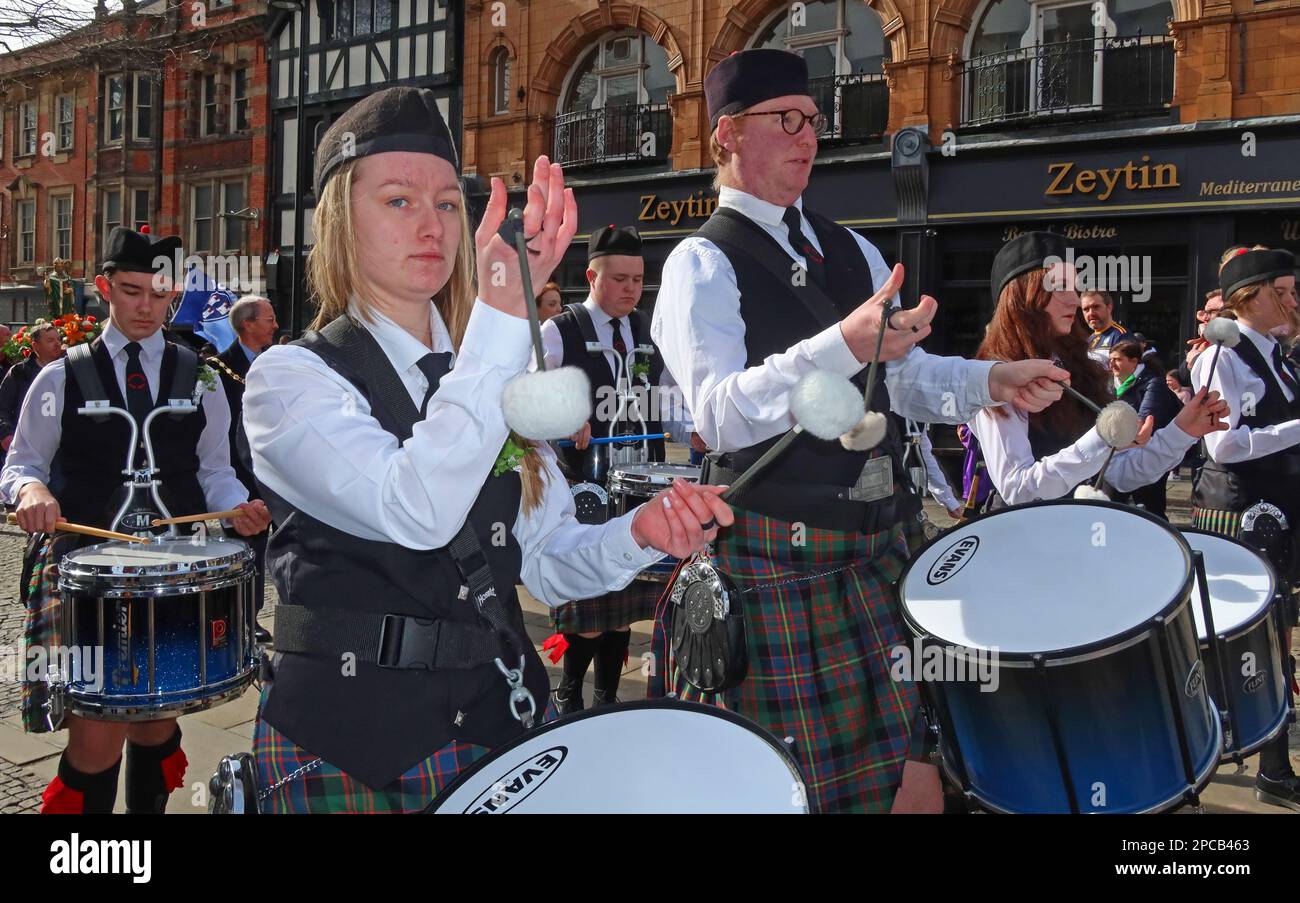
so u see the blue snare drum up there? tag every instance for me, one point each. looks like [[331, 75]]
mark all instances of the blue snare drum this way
[[632, 484], [1252, 688], [174, 619], [1057, 643]]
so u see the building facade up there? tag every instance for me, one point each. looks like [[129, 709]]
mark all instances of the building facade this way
[[153, 115], [352, 48], [1145, 130]]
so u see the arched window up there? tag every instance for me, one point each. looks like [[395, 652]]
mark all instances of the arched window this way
[[499, 67], [845, 48], [615, 107], [1035, 58]]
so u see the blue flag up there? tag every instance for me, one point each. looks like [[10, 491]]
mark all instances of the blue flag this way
[[206, 306]]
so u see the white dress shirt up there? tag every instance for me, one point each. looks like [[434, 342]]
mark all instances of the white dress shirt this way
[[1236, 383], [936, 480], [315, 444], [698, 328], [1019, 477], [38, 436], [673, 416]]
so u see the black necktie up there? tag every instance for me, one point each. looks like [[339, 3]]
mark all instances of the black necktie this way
[[1283, 368], [618, 344], [139, 400], [434, 367], [799, 241]]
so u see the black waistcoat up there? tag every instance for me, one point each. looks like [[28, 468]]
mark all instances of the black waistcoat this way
[[596, 365], [775, 319], [92, 451], [1273, 478], [381, 722]]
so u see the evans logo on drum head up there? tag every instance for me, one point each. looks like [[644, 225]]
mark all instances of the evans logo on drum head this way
[[515, 786], [1195, 680], [953, 559]]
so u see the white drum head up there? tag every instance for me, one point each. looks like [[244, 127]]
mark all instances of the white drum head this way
[[646, 757], [1240, 582], [1045, 577], [169, 554]]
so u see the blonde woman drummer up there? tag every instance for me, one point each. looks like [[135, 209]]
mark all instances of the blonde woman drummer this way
[[406, 511]]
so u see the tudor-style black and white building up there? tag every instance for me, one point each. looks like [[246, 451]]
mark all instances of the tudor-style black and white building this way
[[352, 49]]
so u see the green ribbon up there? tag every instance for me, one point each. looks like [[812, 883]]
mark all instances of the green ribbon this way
[[1125, 385]]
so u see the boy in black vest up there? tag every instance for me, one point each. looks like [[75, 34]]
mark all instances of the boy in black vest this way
[[599, 628], [134, 361], [763, 294]]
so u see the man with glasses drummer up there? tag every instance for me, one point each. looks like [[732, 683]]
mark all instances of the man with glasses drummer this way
[[628, 403], [766, 292], [135, 364]]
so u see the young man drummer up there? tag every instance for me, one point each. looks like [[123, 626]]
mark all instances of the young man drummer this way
[[600, 628], [1253, 470], [135, 362], [816, 542]]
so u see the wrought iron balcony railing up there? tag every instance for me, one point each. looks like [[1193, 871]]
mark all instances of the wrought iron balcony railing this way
[[1126, 74], [856, 106], [619, 134]]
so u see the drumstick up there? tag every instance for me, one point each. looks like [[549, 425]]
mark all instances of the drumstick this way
[[66, 527], [1087, 402], [606, 440], [194, 518]]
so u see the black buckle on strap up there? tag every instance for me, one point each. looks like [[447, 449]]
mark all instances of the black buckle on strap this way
[[406, 642]]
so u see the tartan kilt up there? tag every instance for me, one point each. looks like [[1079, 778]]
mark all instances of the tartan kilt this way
[[622, 608], [821, 617], [310, 785], [42, 623]]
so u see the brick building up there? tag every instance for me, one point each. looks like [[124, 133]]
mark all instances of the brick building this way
[[153, 114], [1161, 129]]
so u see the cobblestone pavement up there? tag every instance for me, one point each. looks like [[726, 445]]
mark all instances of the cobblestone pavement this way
[[20, 789]]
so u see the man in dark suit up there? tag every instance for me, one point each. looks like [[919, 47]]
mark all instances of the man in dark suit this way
[[1143, 386], [47, 346], [253, 319]]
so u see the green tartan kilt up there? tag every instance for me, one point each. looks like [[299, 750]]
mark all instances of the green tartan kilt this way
[[43, 621], [822, 615], [622, 608]]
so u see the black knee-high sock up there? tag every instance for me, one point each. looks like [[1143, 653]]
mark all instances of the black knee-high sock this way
[[96, 792], [610, 656], [146, 781], [578, 656], [1274, 758]]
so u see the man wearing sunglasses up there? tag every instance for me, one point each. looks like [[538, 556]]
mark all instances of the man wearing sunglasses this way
[[764, 293]]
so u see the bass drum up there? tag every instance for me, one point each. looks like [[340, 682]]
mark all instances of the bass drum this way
[[651, 756], [1058, 644]]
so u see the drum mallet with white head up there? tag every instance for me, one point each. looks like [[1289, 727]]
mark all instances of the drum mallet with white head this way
[[1118, 426], [824, 404], [545, 404], [871, 428], [1223, 332]]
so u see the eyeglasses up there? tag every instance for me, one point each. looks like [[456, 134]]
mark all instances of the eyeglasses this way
[[792, 121]]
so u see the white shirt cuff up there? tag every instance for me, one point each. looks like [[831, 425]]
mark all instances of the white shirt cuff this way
[[980, 393], [830, 352], [626, 550], [497, 338]]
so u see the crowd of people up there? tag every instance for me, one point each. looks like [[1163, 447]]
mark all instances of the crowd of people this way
[[378, 447]]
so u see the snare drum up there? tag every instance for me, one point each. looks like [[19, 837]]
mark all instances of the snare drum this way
[[1252, 686], [174, 619], [632, 484], [651, 756], [1057, 643]]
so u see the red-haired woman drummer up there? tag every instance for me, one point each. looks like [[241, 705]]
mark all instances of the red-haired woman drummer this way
[[1046, 455], [1255, 465], [397, 628]]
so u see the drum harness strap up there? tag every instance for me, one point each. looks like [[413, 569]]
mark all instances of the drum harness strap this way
[[403, 641], [82, 363]]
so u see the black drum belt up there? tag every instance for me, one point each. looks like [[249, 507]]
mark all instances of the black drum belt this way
[[818, 505], [390, 641]]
